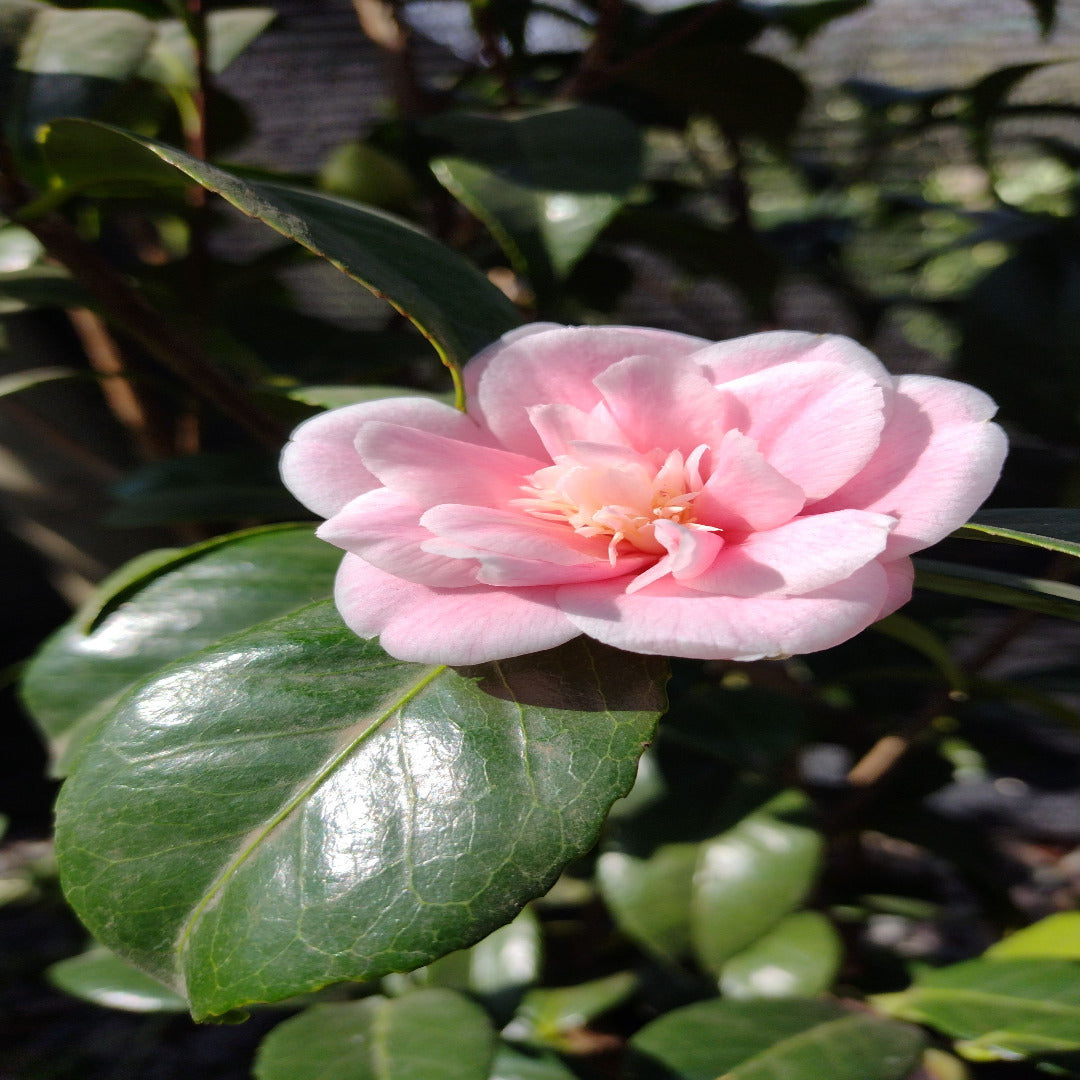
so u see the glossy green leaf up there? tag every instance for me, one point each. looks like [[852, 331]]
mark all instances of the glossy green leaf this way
[[649, 898], [164, 606], [551, 1017], [425, 1035], [1050, 528], [1055, 937], [102, 978], [996, 586], [747, 880], [773, 1040], [513, 1064], [545, 183], [229, 31], [448, 299], [292, 807], [997, 1008], [799, 957]]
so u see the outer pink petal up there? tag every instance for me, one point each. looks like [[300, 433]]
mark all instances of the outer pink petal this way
[[320, 465], [744, 492], [727, 360], [938, 460], [901, 576], [447, 626], [668, 619], [475, 368], [383, 528], [664, 404], [802, 556], [817, 423], [558, 366], [430, 469], [516, 551]]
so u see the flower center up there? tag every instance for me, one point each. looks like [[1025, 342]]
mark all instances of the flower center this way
[[613, 491]]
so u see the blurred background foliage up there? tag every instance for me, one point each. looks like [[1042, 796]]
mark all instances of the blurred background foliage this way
[[903, 171]]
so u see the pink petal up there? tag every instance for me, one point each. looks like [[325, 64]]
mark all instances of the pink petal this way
[[383, 529], [514, 550], [665, 404], [938, 460], [744, 492], [667, 618], [475, 368], [560, 425], [817, 423], [447, 626], [558, 366], [320, 465], [690, 552], [727, 360], [431, 469], [802, 556], [901, 576]]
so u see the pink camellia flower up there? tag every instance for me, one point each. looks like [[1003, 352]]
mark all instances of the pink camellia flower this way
[[744, 499]]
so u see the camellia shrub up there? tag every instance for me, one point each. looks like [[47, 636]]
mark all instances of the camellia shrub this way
[[608, 747]]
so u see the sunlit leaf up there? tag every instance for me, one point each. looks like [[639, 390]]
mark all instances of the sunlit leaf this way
[[1050, 528], [1055, 937]]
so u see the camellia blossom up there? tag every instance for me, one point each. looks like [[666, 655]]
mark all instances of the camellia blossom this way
[[749, 498]]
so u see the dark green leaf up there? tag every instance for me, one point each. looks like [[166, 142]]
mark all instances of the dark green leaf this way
[[511, 1064], [40, 286], [803, 20], [292, 807], [552, 1017], [545, 183], [1030, 594], [1046, 13], [426, 1035], [774, 1040], [1050, 528], [799, 957], [449, 300], [650, 897], [229, 31], [23, 380], [164, 606], [747, 880], [1055, 937], [357, 170], [998, 1008], [101, 977], [924, 640]]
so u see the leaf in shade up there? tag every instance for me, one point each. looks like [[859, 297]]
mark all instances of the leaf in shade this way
[[1050, 527], [798, 957], [18, 381], [448, 299], [40, 287], [425, 1035], [162, 606], [773, 1040], [552, 1018], [1055, 937], [1046, 12], [999, 1009], [803, 20], [747, 880], [514, 1064], [998, 587], [294, 794], [102, 978]]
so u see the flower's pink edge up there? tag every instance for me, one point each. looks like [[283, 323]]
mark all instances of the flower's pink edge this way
[[554, 364], [666, 619], [938, 460], [320, 464], [448, 626]]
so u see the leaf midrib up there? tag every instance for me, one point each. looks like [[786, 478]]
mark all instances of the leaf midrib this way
[[259, 834], [947, 995]]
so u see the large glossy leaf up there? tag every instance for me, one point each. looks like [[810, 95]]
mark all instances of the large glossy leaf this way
[[292, 807], [545, 183], [1055, 937], [165, 606], [102, 978], [1050, 528], [1014, 590], [998, 1008], [773, 1040], [747, 880], [799, 957], [448, 299], [426, 1035]]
